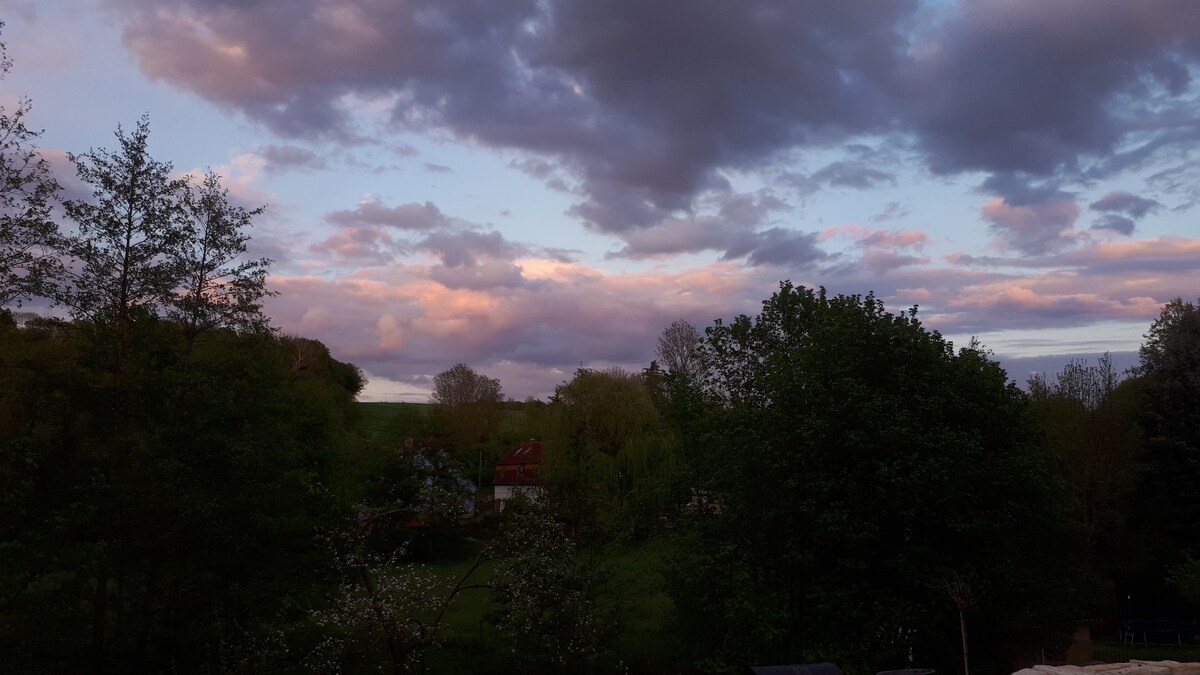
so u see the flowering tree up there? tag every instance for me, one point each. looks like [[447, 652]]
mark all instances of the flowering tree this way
[[546, 592]]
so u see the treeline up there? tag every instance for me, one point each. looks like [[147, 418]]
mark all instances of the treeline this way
[[838, 483]]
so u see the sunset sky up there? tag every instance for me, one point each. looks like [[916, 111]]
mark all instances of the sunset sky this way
[[530, 186]]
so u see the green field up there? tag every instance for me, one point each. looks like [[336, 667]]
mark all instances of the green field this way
[[374, 417]]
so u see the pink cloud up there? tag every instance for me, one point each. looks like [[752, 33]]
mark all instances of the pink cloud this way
[[1033, 228], [404, 323], [366, 245]]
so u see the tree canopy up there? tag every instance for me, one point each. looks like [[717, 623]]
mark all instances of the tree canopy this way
[[848, 466]]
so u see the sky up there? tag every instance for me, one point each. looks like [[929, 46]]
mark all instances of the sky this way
[[532, 186]]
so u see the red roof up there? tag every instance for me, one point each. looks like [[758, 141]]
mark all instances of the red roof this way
[[520, 466], [529, 452]]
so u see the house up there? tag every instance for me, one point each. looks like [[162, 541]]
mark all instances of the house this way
[[519, 470]]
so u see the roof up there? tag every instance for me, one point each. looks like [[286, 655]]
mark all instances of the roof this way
[[529, 452]]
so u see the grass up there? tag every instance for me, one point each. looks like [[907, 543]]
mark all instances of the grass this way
[[636, 578], [374, 417], [1115, 652]]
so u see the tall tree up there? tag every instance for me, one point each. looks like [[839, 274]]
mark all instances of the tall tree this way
[[678, 350], [27, 190], [219, 288], [1165, 513], [468, 402], [1091, 427], [125, 256], [609, 459], [849, 465]]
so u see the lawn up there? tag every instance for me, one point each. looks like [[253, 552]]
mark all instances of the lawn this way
[[1115, 652], [636, 580], [374, 417]]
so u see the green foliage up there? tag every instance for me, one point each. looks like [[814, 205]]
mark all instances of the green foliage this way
[[1164, 520], [847, 465], [165, 520], [609, 460], [1089, 417], [553, 613], [468, 404], [546, 598]]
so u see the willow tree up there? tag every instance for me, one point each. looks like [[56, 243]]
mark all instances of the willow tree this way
[[610, 460]]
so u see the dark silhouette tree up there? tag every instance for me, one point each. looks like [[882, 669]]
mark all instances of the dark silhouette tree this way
[[124, 258], [219, 289], [468, 403], [677, 350], [847, 463], [27, 191]]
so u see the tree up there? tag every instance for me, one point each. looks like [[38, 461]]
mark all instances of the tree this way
[[545, 596], [609, 459], [1090, 424], [468, 401], [125, 256], [848, 465], [180, 536], [27, 190], [219, 290], [677, 350], [1164, 520]]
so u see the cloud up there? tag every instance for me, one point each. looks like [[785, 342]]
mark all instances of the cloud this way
[[637, 131], [1114, 223], [412, 216], [732, 225], [398, 323], [868, 238], [430, 167], [460, 249], [1126, 203], [984, 97], [359, 245], [1032, 229], [778, 246], [644, 108], [893, 211], [281, 158], [856, 175], [406, 322]]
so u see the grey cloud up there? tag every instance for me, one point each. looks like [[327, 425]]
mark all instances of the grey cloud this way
[[411, 216], [1115, 223], [1015, 85], [1020, 189], [730, 227], [282, 158], [778, 246], [857, 175], [644, 122], [1127, 203], [461, 249], [893, 211], [1033, 229], [481, 276], [644, 104], [430, 167]]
